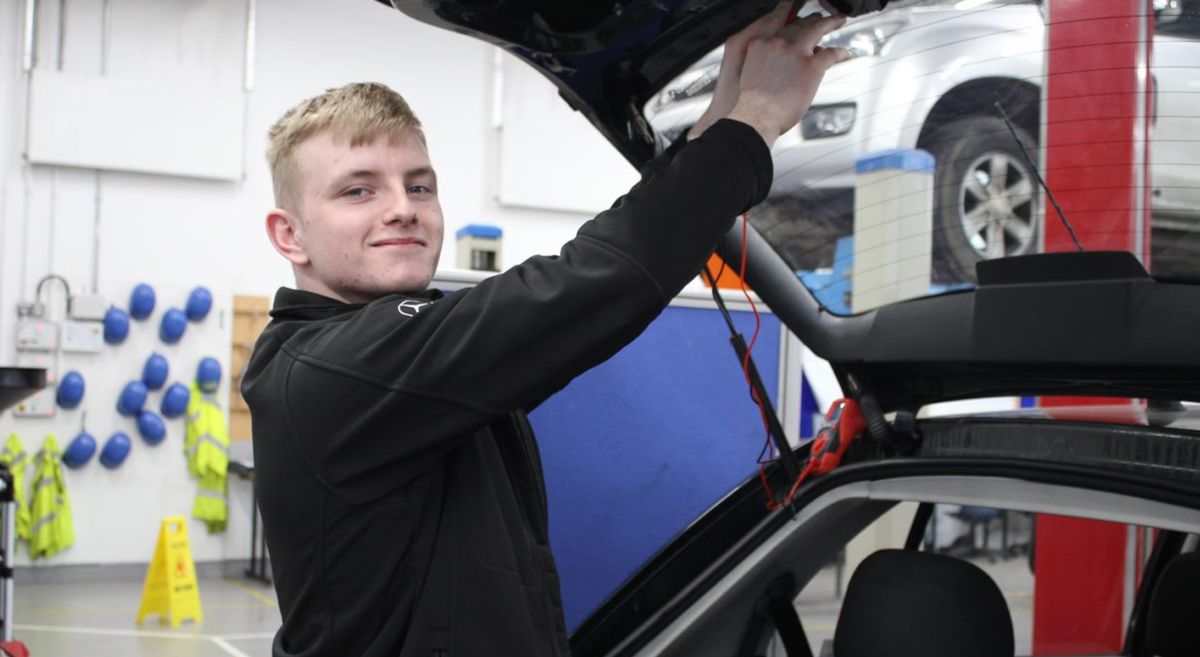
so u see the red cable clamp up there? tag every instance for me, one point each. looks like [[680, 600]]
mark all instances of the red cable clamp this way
[[845, 422]]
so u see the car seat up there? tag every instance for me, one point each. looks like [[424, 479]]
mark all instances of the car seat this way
[[1171, 627], [904, 603]]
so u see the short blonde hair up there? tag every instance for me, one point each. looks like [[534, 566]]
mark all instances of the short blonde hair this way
[[360, 111]]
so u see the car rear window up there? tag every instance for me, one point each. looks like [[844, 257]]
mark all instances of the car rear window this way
[[921, 156]]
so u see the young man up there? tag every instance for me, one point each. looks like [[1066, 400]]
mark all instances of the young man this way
[[398, 479]]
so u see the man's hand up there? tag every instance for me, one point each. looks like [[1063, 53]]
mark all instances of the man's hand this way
[[725, 95], [782, 73], [771, 71]]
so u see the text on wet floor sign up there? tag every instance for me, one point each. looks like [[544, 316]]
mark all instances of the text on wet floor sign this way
[[171, 590]]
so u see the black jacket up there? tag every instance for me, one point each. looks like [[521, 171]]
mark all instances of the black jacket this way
[[399, 484]]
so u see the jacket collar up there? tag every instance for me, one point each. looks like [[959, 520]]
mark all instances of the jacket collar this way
[[293, 304]]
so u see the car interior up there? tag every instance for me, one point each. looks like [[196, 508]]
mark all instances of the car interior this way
[[909, 600], [951, 607], [1170, 628]]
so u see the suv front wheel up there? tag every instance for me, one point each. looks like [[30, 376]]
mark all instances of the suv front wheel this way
[[985, 196]]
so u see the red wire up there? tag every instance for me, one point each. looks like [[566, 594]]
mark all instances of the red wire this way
[[746, 293], [762, 465], [753, 338], [762, 411]]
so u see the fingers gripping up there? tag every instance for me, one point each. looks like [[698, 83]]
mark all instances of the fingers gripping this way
[[807, 32], [771, 69]]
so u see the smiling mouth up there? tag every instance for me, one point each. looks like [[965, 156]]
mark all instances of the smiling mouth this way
[[399, 242]]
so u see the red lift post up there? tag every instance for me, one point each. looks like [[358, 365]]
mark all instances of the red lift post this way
[[1097, 120]]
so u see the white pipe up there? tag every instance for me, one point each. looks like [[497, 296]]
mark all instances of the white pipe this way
[[249, 64], [251, 29], [30, 33], [497, 89], [26, 214], [95, 282], [27, 62], [105, 30], [52, 220], [62, 33]]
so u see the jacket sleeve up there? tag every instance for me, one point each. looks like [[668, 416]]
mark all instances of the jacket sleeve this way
[[407, 387]]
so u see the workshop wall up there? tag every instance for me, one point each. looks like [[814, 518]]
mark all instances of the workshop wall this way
[[105, 231]]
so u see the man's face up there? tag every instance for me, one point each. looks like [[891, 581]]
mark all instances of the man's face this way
[[370, 223]]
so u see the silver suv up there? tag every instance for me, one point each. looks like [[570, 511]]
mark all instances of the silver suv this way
[[956, 61]]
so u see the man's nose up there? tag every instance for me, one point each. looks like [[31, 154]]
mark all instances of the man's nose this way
[[403, 210]]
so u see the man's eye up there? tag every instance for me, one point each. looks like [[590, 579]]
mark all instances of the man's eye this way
[[356, 192], [420, 189]]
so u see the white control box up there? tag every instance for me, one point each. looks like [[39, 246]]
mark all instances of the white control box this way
[[37, 335], [40, 360], [40, 404], [83, 337], [87, 306]]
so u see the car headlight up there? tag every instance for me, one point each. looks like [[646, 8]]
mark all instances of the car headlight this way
[[693, 83], [862, 40], [827, 120]]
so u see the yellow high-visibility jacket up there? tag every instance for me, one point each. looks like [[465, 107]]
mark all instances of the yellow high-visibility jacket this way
[[52, 530], [206, 441], [13, 455], [191, 427]]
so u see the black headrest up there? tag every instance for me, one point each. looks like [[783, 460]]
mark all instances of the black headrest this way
[[1172, 629], [904, 603]]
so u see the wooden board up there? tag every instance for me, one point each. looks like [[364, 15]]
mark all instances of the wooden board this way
[[249, 318]]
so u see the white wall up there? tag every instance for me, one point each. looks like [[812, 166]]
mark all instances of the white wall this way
[[175, 233]]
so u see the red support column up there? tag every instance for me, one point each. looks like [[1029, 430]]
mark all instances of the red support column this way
[[1097, 121], [1078, 587], [1096, 163]]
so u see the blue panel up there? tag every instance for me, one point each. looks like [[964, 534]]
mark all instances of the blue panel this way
[[479, 230], [638, 447], [896, 159], [832, 287], [810, 410]]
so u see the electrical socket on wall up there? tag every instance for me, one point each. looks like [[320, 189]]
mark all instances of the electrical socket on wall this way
[[36, 335], [83, 337]]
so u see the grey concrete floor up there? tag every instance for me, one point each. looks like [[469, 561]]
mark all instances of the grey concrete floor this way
[[97, 619]]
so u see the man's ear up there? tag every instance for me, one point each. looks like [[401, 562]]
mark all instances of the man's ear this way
[[284, 229]]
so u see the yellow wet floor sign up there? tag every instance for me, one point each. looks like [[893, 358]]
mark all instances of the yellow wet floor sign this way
[[171, 590]]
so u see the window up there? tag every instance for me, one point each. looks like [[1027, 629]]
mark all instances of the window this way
[[921, 156]]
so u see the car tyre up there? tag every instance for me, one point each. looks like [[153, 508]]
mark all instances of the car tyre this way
[[985, 196]]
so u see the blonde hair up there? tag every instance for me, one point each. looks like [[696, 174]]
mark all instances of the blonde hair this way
[[360, 111]]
